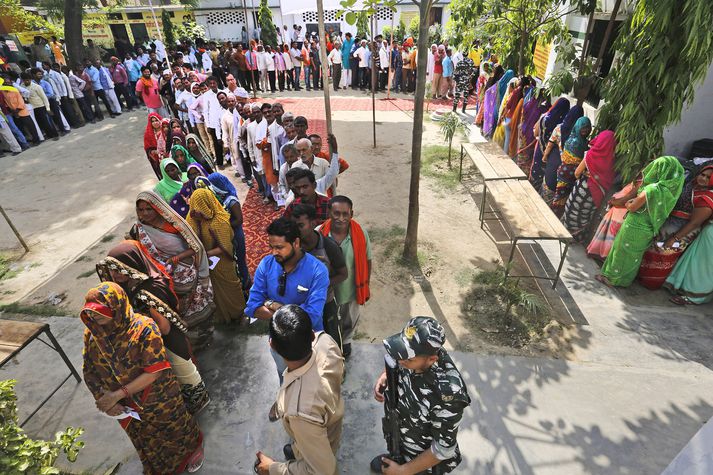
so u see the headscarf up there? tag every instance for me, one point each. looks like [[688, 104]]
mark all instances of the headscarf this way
[[167, 186], [149, 135], [600, 163], [223, 189], [513, 101], [186, 153], [503, 84], [179, 203], [554, 116], [576, 145], [497, 74], [217, 220], [531, 112], [201, 146], [662, 183], [703, 198], [6, 88], [154, 287], [181, 138], [569, 120]]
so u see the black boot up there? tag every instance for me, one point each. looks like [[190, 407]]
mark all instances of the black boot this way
[[289, 453], [376, 464]]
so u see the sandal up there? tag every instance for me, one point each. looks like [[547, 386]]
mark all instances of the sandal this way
[[604, 280], [680, 300], [196, 461]]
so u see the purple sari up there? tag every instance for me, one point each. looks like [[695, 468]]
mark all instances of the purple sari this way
[[489, 110]]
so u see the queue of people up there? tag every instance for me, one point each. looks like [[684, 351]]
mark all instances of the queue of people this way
[[654, 230]]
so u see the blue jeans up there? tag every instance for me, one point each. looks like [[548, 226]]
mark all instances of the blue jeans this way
[[16, 132], [308, 74], [297, 78]]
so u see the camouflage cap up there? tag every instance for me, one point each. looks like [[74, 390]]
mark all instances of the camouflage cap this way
[[421, 336]]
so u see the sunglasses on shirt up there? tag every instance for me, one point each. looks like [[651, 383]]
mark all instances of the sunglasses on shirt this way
[[282, 281]]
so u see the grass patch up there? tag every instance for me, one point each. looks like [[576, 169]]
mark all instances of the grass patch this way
[[42, 310], [107, 238], [86, 274], [501, 311], [6, 270], [434, 164]]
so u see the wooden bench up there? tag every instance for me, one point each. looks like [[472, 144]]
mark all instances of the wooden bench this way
[[491, 168], [16, 335], [529, 218]]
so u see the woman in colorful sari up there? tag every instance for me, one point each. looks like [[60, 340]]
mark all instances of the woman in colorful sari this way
[[150, 291], [512, 143], [692, 278], [490, 96], [533, 109], [228, 197], [212, 224], [595, 177], [609, 227], [178, 138], [154, 142], [172, 242], [199, 152], [692, 211], [166, 131], [179, 203], [510, 106], [572, 155], [175, 128], [172, 179], [126, 368], [552, 157], [543, 131], [182, 157], [659, 191], [484, 74], [503, 88]]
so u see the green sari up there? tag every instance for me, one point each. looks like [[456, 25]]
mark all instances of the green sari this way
[[693, 275], [189, 158], [168, 187], [662, 184]]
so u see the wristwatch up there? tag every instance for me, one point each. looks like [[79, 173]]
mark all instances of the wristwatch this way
[[268, 303]]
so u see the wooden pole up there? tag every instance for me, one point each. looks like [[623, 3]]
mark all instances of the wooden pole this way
[[325, 70], [374, 52], [391, 51], [14, 229]]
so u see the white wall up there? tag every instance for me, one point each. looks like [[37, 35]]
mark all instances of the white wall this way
[[696, 120]]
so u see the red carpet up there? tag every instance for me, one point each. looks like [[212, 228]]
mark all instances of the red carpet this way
[[256, 218]]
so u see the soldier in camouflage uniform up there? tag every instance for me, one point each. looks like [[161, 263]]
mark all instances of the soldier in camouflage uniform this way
[[462, 77], [431, 399]]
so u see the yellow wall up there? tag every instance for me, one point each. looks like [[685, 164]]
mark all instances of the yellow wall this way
[[542, 57]]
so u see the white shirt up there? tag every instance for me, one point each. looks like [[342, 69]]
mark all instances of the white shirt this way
[[256, 132], [207, 62], [295, 53], [328, 172], [212, 111], [270, 61], [288, 61], [226, 128], [276, 133], [383, 58], [160, 50], [361, 54], [429, 67], [262, 59], [335, 56], [197, 109], [185, 99]]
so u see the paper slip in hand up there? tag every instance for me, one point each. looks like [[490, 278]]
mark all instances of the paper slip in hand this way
[[128, 412], [213, 262]]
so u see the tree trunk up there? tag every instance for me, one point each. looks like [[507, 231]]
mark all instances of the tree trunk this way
[[587, 40], [607, 35], [450, 149], [410, 253], [521, 56], [73, 31]]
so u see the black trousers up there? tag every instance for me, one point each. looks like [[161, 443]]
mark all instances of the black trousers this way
[[244, 80], [100, 94], [330, 319], [281, 80], [56, 116], [86, 110], [289, 77], [93, 105], [217, 147], [247, 165], [271, 78], [43, 120], [68, 111], [336, 75], [121, 91], [26, 125], [316, 70]]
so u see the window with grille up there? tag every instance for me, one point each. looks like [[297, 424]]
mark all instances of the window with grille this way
[[384, 14], [329, 16], [225, 17]]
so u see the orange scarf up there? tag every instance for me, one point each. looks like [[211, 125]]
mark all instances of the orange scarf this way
[[361, 264]]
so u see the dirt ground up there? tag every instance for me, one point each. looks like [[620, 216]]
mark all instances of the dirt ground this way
[[73, 200]]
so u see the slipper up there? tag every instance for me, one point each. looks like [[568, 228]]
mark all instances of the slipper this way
[[680, 300], [196, 461], [604, 280]]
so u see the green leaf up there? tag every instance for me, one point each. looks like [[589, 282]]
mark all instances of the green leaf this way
[[350, 18]]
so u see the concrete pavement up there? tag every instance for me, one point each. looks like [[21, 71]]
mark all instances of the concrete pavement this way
[[529, 416]]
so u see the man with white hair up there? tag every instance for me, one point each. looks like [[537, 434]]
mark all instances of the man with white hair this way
[[244, 114], [361, 53], [256, 132], [227, 122], [431, 63], [325, 172]]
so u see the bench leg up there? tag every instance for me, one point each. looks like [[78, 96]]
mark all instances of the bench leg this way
[[563, 256], [61, 352], [512, 254], [460, 167], [482, 203]]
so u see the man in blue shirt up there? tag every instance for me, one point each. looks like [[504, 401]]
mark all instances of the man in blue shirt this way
[[53, 98], [288, 275], [96, 78], [447, 78]]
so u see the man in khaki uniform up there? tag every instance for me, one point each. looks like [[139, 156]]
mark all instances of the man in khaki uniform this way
[[309, 401]]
